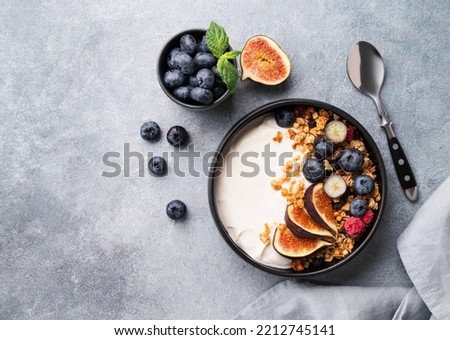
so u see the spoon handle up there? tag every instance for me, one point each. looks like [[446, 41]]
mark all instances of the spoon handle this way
[[402, 167]]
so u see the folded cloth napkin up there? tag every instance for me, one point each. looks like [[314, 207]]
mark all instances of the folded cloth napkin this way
[[424, 248]]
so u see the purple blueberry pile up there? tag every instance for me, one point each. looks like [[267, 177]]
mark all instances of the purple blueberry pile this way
[[192, 73]]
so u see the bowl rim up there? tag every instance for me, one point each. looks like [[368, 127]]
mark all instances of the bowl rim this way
[[263, 110], [160, 70]]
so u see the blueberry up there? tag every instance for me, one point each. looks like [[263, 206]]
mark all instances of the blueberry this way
[[203, 45], [350, 160], [174, 78], [314, 170], [150, 131], [312, 123], [218, 92], [363, 184], [157, 165], [323, 148], [171, 56], [205, 78], [217, 76], [284, 117], [193, 81], [184, 62], [177, 135], [188, 44], [202, 95], [204, 60], [183, 93], [176, 209], [358, 207]]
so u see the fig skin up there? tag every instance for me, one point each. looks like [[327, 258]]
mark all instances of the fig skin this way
[[301, 224], [257, 50], [291, 246], [318, 204]]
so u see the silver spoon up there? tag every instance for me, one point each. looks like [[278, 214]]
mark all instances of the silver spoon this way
[[365, 69]]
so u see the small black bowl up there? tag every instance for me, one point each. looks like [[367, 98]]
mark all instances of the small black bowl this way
[[254, 117], [162, 68]]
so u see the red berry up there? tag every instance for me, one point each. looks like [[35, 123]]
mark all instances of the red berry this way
[[354, 227], [350, 133], [368, 217]]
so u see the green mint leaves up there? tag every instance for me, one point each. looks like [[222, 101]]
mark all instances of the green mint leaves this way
[[217, 40]]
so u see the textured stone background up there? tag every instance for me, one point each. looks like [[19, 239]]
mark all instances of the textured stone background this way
[[77, 79]]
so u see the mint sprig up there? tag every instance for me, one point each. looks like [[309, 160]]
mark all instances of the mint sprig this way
[[217, 40]]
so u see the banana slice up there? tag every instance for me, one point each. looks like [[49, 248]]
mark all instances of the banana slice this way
[[335, 186], [336, 131]]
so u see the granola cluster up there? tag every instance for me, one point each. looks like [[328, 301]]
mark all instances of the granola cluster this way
[[308, 127]]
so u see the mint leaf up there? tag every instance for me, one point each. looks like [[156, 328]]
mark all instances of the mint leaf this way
[[217, 39], [228, 72], [231, 54]]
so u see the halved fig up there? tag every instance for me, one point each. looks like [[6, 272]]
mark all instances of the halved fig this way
[[319, 206], [300, 223], [263, 61], [289, 245]]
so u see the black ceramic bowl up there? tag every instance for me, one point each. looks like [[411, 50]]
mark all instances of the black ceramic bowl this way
[[246, 123], [162, 68]]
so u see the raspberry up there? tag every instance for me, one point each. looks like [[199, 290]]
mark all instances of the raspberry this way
[[354, 227], [368, 217], [350, 133]]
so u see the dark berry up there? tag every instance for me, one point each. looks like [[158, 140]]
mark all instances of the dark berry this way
[[193, 81], [184, 63], [174, 78], [284, 117], [350, 160], [176, 209], [188, 44], [205, 78], [202, 95], [313, 170], [323, 148], [150, 131], [363, 184], [204, 60], [171, 56], [312, 123], [203, 45], [157, 165], [182, 93], [177, 135], [358, 207]]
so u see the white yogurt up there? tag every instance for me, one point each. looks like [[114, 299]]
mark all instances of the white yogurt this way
[[246, 204]]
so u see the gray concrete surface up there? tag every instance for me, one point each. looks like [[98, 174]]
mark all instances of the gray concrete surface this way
[[77, 79]]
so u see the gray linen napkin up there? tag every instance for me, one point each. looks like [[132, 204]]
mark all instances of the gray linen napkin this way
[[424, 248]]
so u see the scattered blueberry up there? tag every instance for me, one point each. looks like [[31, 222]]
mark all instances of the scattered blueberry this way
[[358, 207], [205, 78], [312, 123], [188, 44], [350, 160], [202, 95], [150, 131], [177, 135], [184, 62], [314, 170], [323, 148], [204, 60], [171, 56], [363, 184], [284, 117], [174, 78], [157, 165], [176, 209]]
